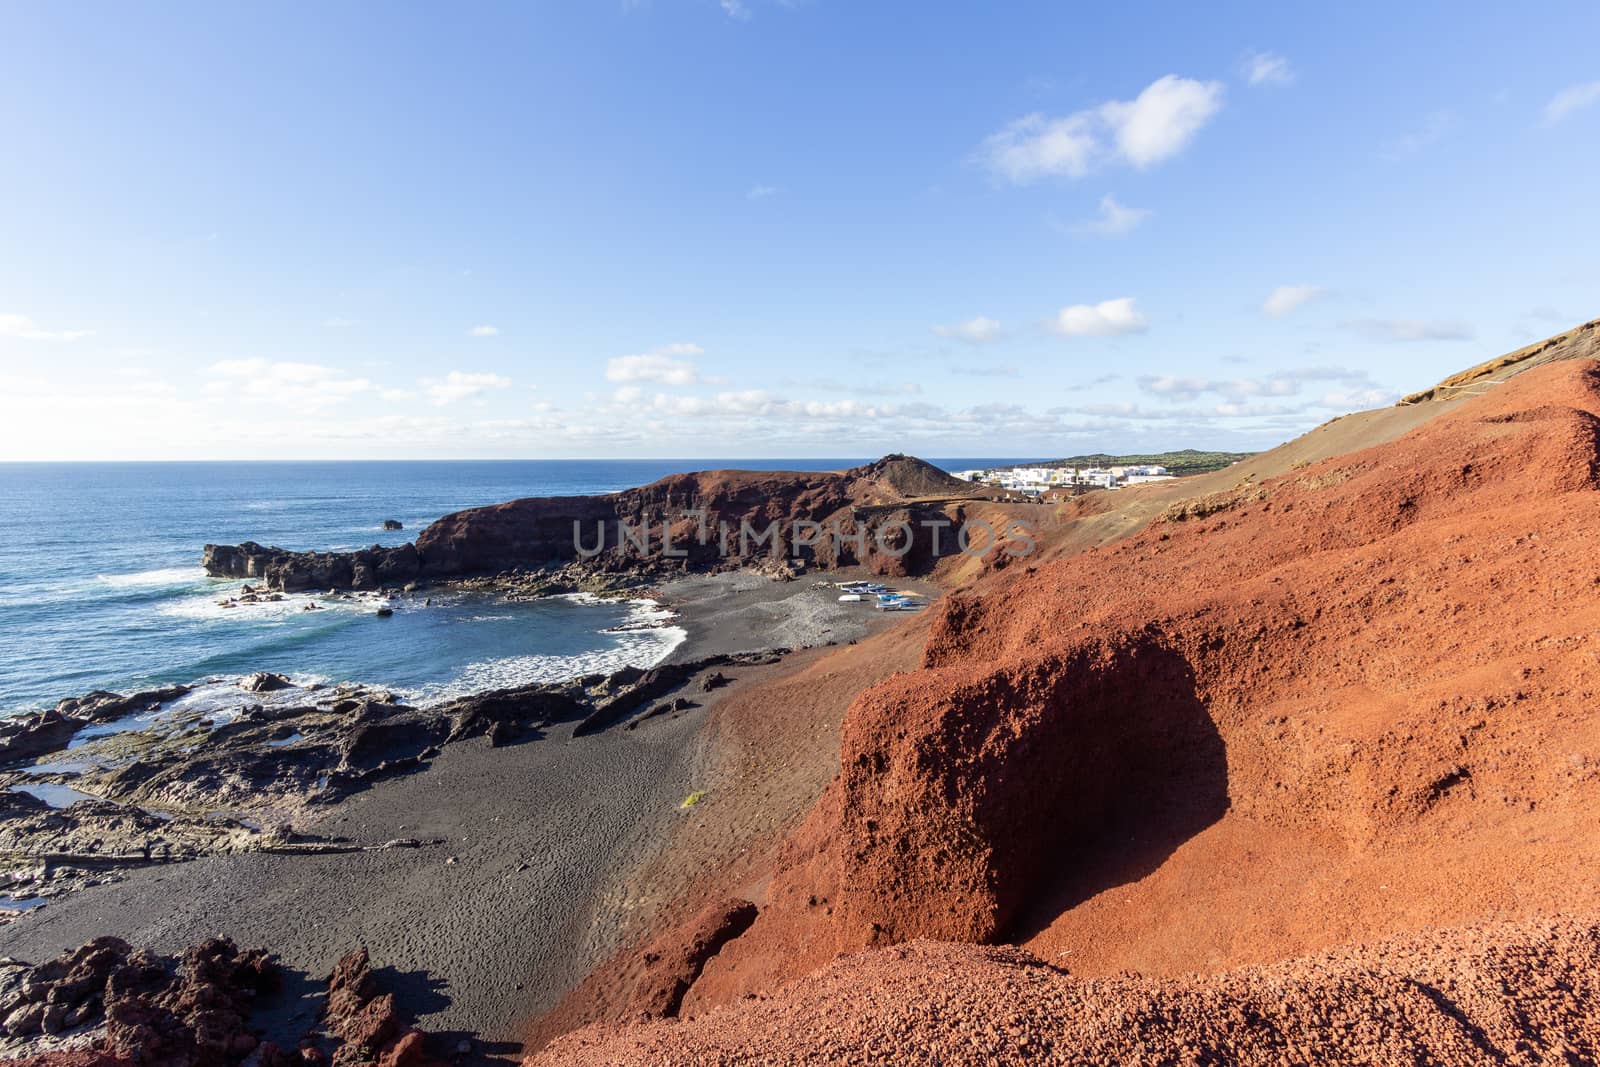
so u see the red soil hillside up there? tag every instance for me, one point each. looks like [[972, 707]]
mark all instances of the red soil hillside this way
[[1343, 704], [1504, 993]]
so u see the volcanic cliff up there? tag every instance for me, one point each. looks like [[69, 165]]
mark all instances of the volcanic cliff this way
[[873, 515], [1350, 703]]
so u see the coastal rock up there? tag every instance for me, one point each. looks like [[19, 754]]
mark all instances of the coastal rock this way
[[296, 571], [140, 1007], [26, 737], [30, 736], [878, 516], [1097, 737], [103, 706], [620, 702], [265, 682], [504, 715], [393, 524]]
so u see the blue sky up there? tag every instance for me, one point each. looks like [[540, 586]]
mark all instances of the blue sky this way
[[748, 227]]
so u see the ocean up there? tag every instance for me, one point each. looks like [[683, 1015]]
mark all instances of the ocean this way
[[101, 588]]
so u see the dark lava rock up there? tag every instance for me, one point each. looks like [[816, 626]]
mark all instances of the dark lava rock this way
[[101, 706], [26, 737], [265, 682], [650, 686], [504, 714], [31, 736], [393, 524], [290, 571], [190, 1011], [612, 538]]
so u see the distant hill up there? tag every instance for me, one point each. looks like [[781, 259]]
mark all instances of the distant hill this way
[[1185, 461]]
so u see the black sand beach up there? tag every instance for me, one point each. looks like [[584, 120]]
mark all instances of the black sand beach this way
[[529, 885]]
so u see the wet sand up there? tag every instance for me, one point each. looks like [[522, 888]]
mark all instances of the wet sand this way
[[528, 889]]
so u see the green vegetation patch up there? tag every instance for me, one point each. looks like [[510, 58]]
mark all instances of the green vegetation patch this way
[[1182, 462]]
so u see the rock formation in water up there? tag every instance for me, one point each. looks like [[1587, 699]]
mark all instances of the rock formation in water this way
[[896, 516]]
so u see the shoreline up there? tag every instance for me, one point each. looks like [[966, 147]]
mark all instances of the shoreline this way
[[522, 853]]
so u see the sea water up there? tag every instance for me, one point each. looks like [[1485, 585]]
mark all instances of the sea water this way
[[101, 588]]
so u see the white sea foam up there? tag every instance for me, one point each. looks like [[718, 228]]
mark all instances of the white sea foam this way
[[209, 605], [633, 648], [164, 576]]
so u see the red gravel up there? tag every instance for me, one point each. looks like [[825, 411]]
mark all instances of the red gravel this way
[[1505, 993]]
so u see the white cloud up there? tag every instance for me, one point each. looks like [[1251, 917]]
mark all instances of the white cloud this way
[[979, 330], [1114, 219], [1285, 298], [24, 328], [736, 9], [664, 364], [460, 386], [1572, 98], [761, 192], [1163, 119], [483, 331], [1267, 68], [1034, 147], [1105, 319], [1433, 129], [309, 386], [1412, 329], [1151, 128], [1354, 386]]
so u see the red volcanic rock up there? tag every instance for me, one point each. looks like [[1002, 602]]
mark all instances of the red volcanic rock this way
[[1371, 662], [1507, 993], [675, 960], [364, 1019], [189, 1012], [714, 518], [705, 520]]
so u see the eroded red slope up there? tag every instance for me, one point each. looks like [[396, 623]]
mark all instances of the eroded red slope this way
[[1341, 705]]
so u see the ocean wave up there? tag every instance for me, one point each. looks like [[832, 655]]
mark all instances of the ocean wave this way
[[163, 576], [637, 648], [208, 606]]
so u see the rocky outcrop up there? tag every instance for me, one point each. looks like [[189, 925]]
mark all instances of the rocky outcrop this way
[[140, 1007], [886, 516], [107, 1005], [264, 682], [25, 737], [643, 687], [289, 571], [670, 964], [363, 1019]]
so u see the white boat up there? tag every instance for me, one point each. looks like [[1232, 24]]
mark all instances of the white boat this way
[[851, 598]]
